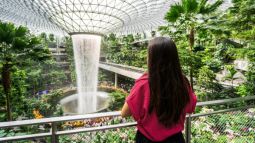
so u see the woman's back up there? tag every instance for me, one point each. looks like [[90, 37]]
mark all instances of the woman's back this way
[[160, 99], [148, 124]]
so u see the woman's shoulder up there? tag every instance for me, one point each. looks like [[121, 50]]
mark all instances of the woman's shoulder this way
[[142, 82], [141, 85], [142, 79]]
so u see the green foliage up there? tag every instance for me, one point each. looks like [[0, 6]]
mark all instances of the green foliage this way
[[17, 46], [48, 105], [122, 51], [19, 93], [231, 70], [224, 53], [205, 77], [188, 13], [219, 39], [226, 127], [120, 136], [44, 76], [187, 18], [70, 58], [216, 44], [250, 74], [118, 100], [106, 77], [43, 37], [10, 133], [188, 8], [241, 19], [174, 13], [27, 60], [51, 37]]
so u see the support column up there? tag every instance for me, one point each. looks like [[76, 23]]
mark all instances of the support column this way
[[54, 137], [188, 129], [116, 80]]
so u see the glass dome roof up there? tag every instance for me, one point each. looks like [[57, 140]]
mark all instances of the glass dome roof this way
[[86, 16]]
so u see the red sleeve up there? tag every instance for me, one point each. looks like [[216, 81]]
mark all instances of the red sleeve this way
[[193, 101], [135, 101]]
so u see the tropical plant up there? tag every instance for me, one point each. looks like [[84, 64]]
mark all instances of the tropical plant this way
[[231, 73], [118, 99], [241, 19], [47, 105], [71, 76], [51, 37], [124, 51], [205, 80], [16, 46], [187, 16]]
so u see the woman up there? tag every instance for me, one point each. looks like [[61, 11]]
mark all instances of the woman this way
[[160, 98]]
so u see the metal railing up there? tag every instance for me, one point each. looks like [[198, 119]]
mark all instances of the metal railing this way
[[85, 132]]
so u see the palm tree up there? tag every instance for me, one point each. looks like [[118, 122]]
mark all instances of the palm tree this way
[[188, 14], [17, 45]]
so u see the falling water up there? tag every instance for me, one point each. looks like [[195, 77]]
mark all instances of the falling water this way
[[86, 54]]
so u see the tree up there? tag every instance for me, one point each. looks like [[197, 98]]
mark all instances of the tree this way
[[16, 46], [241, 19], [187, 15], [70, 58], [44, 38], [205, 80], [51, 37]]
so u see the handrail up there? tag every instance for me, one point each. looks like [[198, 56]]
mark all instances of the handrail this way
[[105, 114], [54, 133], [221, 111], [57, 119], [223, 101], [100, 128], [23, 137], [108, 127]]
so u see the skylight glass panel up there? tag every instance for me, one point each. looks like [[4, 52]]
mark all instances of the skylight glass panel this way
[[88, 16]]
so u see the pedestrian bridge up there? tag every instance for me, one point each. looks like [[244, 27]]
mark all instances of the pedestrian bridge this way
[[128, 71]]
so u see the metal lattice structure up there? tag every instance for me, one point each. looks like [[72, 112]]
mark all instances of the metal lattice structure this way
[[16, 11], [90, 16], [86, 16]]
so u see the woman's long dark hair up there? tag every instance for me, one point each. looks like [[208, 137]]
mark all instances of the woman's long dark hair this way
[[168, 85]]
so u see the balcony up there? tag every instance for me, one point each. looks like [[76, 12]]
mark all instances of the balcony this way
[[228, 120]]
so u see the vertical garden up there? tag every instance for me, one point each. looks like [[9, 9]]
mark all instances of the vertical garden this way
[[28, 73]]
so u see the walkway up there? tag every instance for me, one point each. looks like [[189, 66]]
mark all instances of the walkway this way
[[128, 71], [135, 73]]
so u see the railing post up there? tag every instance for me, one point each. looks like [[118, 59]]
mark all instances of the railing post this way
[[54, 137], [116, 80], [188, 129]]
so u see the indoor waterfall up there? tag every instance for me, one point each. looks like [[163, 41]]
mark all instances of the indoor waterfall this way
[[86, 54]]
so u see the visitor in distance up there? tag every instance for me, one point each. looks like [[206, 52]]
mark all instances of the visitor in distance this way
[[160, 99]]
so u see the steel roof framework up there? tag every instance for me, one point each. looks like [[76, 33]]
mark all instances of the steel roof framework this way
[[86, 16]]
